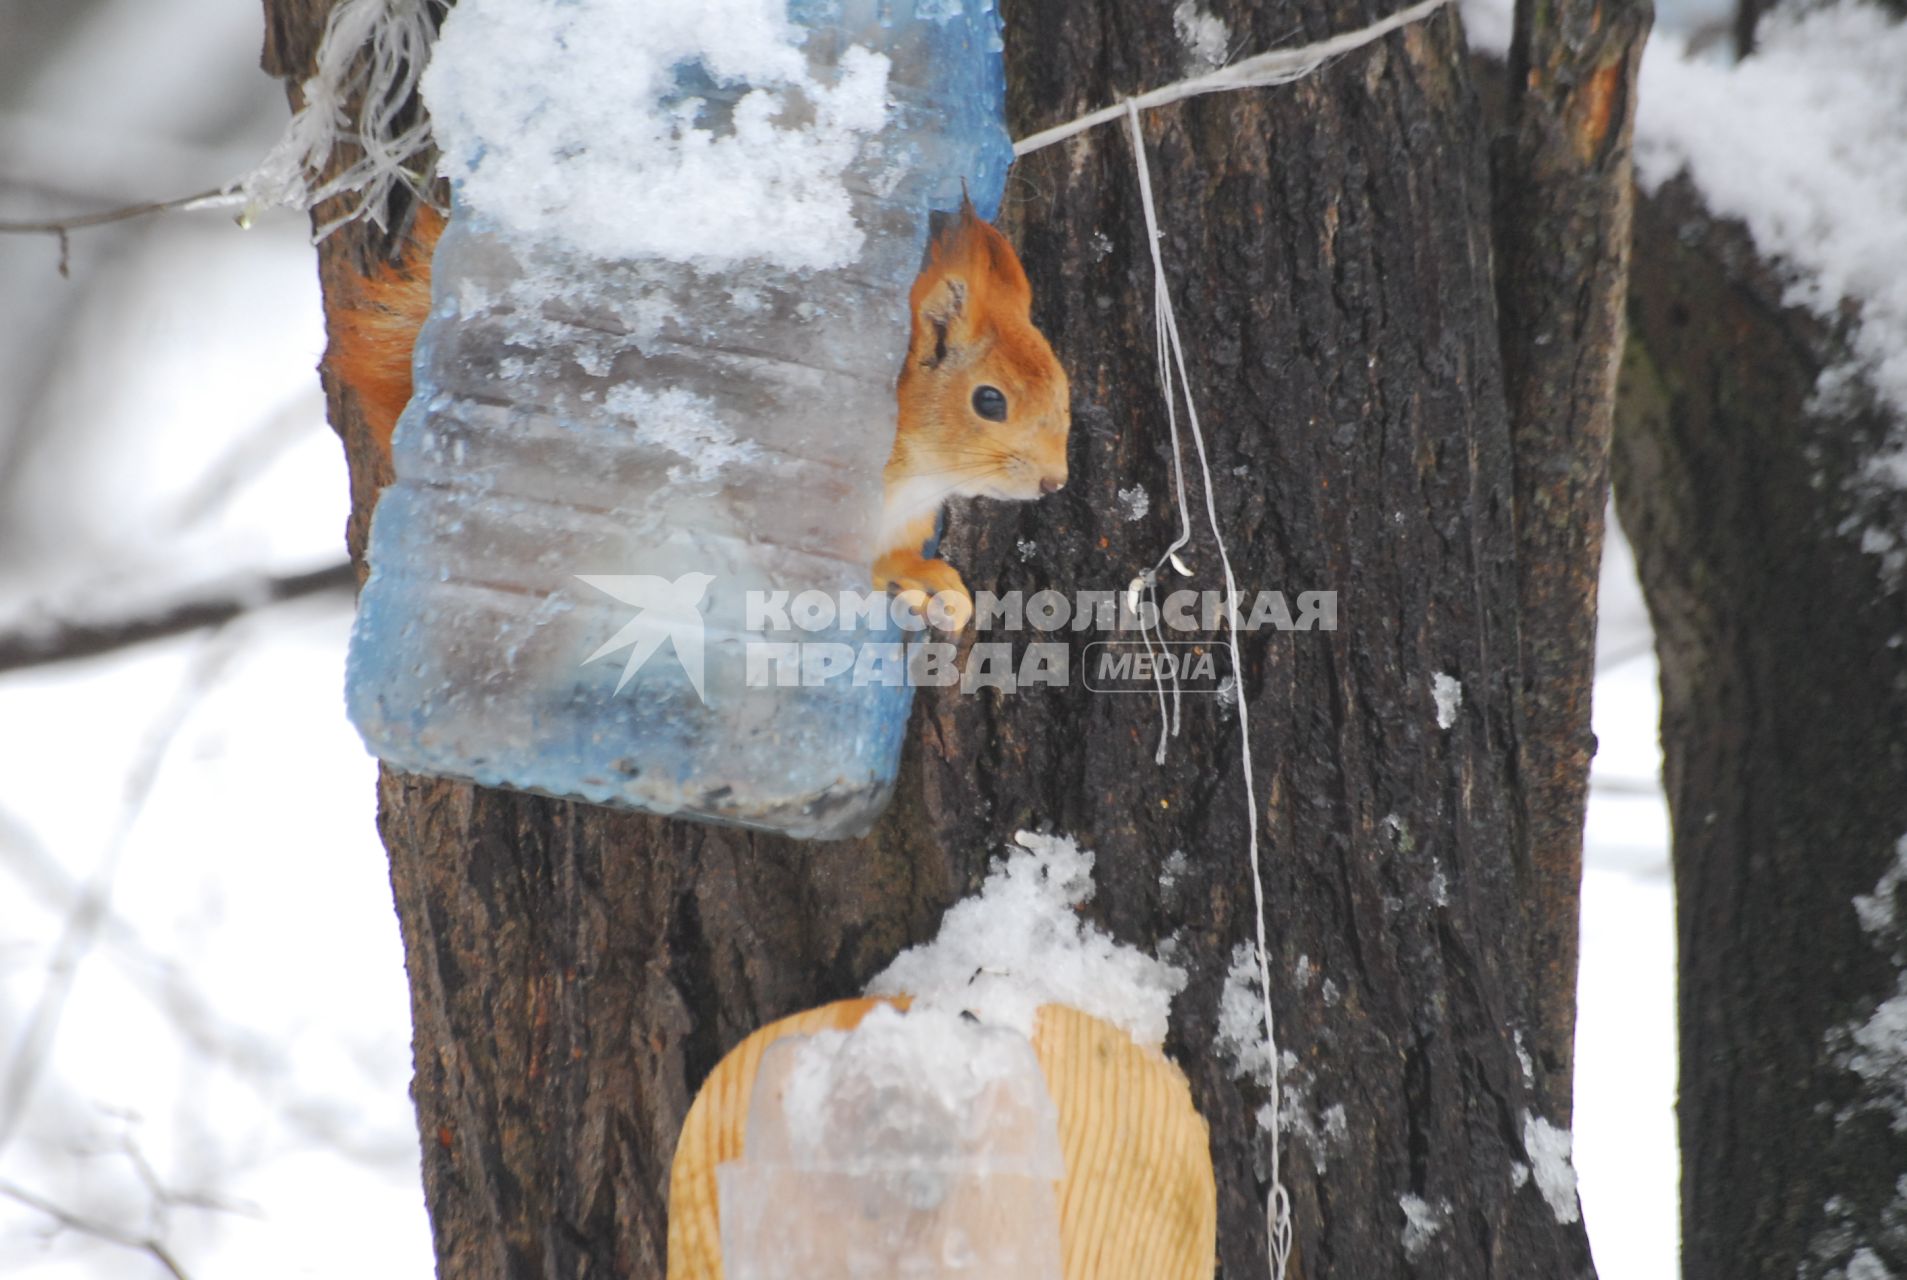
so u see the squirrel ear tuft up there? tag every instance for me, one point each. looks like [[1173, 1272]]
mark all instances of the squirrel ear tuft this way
[[971, 281], [954, 236], [942, 229], [987, 258]]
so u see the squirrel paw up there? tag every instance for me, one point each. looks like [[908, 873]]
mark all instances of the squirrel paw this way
[[933, 588]]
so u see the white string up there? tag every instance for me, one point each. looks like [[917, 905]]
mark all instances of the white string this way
[[1168, 725], [1147, 584], [372, 54], [1279, 66], [1277, 1201]]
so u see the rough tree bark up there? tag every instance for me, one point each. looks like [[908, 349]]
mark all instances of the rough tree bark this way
[[576, 971], [1771, 552], [1563, 211]]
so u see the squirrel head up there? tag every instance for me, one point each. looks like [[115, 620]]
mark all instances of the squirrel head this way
[[984, 405]]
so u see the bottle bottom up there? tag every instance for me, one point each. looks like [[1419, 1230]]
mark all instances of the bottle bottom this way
[[451, 680]]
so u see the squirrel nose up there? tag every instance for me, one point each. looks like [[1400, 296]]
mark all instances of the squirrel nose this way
[[1049, 485]]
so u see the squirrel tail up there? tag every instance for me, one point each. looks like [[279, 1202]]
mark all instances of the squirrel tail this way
[[373, 333]]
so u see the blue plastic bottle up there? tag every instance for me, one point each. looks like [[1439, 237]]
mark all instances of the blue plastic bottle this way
[[617, 477]]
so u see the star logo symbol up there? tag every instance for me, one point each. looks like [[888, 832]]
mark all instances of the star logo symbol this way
[[669, 610]]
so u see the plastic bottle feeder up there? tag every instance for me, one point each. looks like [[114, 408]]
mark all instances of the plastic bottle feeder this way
[[655, 397], [856, 1141]]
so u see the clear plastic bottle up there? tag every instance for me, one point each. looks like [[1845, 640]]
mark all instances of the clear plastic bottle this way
[[919, 1146], [607, 459]]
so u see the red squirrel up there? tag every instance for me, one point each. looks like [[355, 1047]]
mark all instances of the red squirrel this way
[[985, 408]]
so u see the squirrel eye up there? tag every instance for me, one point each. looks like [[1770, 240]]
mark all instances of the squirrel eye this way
[[990, 403]]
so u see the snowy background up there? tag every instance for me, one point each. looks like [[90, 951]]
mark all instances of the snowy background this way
[[204, 1034]]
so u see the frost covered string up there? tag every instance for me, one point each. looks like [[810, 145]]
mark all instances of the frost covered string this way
[[372, 51], [1277, 1201], [1279, 66]]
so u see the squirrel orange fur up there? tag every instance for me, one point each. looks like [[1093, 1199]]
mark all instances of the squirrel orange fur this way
[[984, 405], [375, 327]]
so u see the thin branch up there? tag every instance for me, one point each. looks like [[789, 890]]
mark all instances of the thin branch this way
[[1614, 785], [106, 1231], [62, 228], [1747, 17], [250, 455], [63, 640], [1619, 657], [256, 1061], [85, 922], [165, 1198]]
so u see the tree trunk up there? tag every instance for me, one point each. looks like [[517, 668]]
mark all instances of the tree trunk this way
[[1563, 211], [1772, 557], [577, 971]]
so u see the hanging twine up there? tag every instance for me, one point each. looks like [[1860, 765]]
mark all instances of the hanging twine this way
[[368, 64], [1280, 66], [1278, 1201]]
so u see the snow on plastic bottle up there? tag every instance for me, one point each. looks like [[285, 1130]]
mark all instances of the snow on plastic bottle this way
[[641, 470]]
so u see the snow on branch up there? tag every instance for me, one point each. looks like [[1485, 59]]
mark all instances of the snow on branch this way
[[1806, 143], [36, 641]]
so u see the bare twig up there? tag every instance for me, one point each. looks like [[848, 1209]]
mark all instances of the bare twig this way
[[254, 1059], [250, 454], [1607, 662], [88, 917], [106, 1231], [1612, 785], [63, 640], [62, 228], [164, 1197], [1748, 15]]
